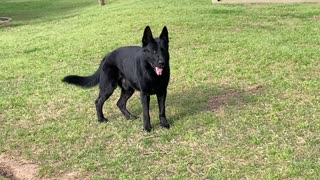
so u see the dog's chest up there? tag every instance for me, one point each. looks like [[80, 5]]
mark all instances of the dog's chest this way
[[154, 85]]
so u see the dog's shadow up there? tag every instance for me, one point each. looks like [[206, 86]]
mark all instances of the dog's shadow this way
[[192, 101], [209, 99]]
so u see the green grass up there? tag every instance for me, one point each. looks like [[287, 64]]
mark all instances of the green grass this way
[[222, 125]]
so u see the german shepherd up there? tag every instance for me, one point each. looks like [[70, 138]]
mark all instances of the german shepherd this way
[[145, 69]]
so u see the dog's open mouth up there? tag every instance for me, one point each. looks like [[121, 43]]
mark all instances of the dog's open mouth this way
[[158, 70]]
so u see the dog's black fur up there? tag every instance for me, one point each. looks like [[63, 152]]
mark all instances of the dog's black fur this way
[[145, 69]]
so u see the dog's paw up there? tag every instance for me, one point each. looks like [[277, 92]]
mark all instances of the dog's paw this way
[[164, 123], [103, 120], [147, 128]]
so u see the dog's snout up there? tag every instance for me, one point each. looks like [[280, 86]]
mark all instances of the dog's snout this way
[[161, 62]]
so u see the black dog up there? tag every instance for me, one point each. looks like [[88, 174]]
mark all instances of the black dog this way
[[145, 69]]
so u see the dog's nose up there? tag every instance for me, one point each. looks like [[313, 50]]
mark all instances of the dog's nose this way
[[161, 62]]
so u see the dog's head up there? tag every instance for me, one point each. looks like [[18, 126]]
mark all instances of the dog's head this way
[[156, 50]]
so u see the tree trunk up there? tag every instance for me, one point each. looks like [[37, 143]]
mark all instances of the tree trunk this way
[[101, 2]]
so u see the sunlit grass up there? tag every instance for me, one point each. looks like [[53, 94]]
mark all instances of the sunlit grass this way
[[243, 96]]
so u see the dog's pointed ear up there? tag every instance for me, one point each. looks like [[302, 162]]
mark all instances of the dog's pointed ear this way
[[147, 36], [164, 34]]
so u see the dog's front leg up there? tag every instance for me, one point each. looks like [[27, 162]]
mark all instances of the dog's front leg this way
[[145, 100], [162, 109]]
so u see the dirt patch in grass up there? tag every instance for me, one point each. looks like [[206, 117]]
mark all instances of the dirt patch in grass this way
[[216, 103], [11, 168]]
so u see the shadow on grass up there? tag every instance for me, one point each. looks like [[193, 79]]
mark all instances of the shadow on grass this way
[[184, 104], [210, 99], [23, 12]]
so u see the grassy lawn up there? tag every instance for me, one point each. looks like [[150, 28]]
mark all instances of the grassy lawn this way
[[243, 100]]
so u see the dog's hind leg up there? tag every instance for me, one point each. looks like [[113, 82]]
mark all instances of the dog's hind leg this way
[[122, 102], [103, 96], [107, 86]]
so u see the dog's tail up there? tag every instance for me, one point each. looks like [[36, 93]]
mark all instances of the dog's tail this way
[[83, 81]]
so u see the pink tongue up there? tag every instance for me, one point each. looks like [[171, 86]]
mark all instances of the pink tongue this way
[[159, 71]]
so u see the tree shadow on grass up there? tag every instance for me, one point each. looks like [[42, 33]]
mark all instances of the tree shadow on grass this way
[[26, 12]]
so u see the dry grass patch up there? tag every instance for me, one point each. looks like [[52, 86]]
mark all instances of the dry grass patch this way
[[217, 103]]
